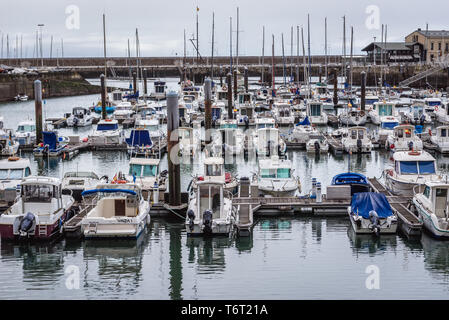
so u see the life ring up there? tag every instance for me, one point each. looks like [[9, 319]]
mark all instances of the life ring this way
[[228, 177], [414, 153], [119, 182], [13, 158], [390, 172]]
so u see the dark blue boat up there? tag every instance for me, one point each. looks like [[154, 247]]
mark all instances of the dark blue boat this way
[[357, 181]]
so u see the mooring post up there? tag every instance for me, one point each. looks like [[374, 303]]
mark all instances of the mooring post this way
[[235, 84], [103, 97], [335, 88], [246, 79], [38, 109], [208, 107], [134, 82], [145, 85], [221, 76], [363, 90], [174, 178], [230, 99]]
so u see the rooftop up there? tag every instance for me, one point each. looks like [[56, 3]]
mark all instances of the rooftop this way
[[388, 46], [434, 33]]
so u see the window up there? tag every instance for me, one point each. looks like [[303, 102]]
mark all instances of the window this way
[[213, 170], [149, 171], [426, 167], [426, 192], [400, 133], [441, 193], [361, 134], [408, 167], [431, 46], [439, 45], [107, 126], [27, 172], [15, 174], [315, 110], [283, 173], [389, 125], [37, 193], [443, 132], [4, 174], [353, 134], [135, 169], [447, 47], [408, 133], [268, 173]]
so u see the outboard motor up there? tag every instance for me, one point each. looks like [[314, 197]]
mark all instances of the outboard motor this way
[[207, 221], [422, 119], [410, 145], [359, 145], [246, 120], [191, 216], [214, 121], [317, 146], [375, 222], [27, 224], [75, 121]]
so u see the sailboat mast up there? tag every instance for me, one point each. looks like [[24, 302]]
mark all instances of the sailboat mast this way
[[104, 51], [230, 44], [325, 47], [237, 41], [272, 66], [352, 41], [263, 53], [212, 54], [297, 55], [291, 53], [308, 46], [304, 56], [283, 59]]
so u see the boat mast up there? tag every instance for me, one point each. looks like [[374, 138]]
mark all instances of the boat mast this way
[[325, 47], [230, 44], [304, 56], [272, 67], [291, 54], [237, 41], [263, 54], [350, 75], [344, 48], [297, 55], [283, 59], [308, 44], [185, 56], [212, 55], [104, 51]]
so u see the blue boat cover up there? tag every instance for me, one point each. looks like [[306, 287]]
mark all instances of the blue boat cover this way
[[349, 178], [139, 138], [50, 139], [364, 202], [87, 192], [132, 96], [304, 122], [418, 129]]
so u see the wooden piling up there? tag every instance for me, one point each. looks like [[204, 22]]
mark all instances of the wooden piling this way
[[103, 97], [235, 84], [145, 84], [38, 109], [230, 99], [363, 90], [208, 107], [134, 82], [335, 88], [174, 177], [246, 79]]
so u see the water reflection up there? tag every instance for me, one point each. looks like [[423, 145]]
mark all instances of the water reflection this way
[[436, 256], [208, 253], [368, 243]]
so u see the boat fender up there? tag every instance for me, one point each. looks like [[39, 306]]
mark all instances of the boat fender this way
[[375, 222], [359, 145], [317, 146]]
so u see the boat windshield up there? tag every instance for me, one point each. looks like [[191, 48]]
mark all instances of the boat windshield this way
[[385, 110], [389, 125], [417, 167], [209, 199], [228, 126], [371, 101], [107, 126], [37, 193], [26, 128], [213, 170], [433, 103], [283, 173], [16, 174], [143, 170], [265, 125], [315, 110], [268, 173], [13, 174]]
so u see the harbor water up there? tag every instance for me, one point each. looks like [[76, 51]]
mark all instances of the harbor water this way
[[301, 257]]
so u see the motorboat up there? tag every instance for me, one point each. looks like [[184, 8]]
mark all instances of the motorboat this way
[[159, 92], [441, 138], [107, 132], [21, 97], [432, 104], [75, 182], [417, 115], [275, 177], [283, 114], [214, 170], [26, 133], [356, 182], [316, 114], [189, 141], [386, 128], [12, 171], [228, 139], [52, 145], [40, 211], [245, 110], [115, 211], [356, 140], [383, 110], [353, 117], [403, 138], [80, 117], [267, 139], [302, 131], [412, 169], [442, 113], [124, 110], [8, 147], [371, 213], [432, 207], [210, 211], [145, 172], [317, 144], [139, 142]]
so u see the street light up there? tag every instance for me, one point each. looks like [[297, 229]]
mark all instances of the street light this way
[[41, 25]]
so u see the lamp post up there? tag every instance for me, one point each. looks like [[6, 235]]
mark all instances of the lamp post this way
[[41, 25]]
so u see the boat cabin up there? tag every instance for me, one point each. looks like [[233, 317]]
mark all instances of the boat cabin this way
[[404, 132], [244, 98], [41, 195], [144, 167], [436, 194], [356, 181], [14, 168], [273, 168], [107, 125], [371, 100], [228, 124], [414, 163], [159, 87], [262, 123], [384, 109], [209, 198], [357, 133]]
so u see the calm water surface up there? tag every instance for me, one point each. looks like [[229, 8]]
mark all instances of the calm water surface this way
[[286, 258]]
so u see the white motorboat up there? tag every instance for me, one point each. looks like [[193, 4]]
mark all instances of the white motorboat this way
[[106, 132], [210, 210], [301, 132], [75, 182], [441, 139], [432, 207], [267, 139], [353, 117], [442, 113], [12, 171], [115, 211], [417, 115], [316, 114], [245, 110], [123, 110], [8, 147], [403, 138], [386, 128], [317, 144], [228, 138], [145, 172], [159, 92], [283, 114], [80, 117], [26, 133], [40, 211], [21, 97], [432, 104], [383, 110], [370, 213], [275, 177], [356, 140], [411, 169], [189, 141], [214, 170]]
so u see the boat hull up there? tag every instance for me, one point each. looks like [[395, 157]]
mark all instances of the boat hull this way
[[363, 226]]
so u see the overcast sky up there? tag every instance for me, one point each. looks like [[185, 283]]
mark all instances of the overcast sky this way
[[161, 24]]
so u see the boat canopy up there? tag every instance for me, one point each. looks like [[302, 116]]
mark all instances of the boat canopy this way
[[304, 122], [139, 138], [50, 139], [349, 178], [362, 203], [87, 192]]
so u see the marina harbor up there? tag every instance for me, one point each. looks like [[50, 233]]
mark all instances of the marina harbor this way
[[280, 172]]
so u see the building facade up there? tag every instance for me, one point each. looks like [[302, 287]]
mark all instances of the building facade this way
[[435, 43]]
